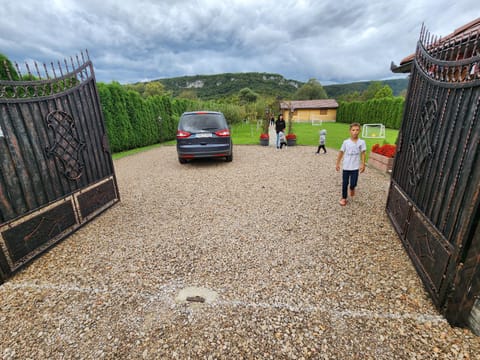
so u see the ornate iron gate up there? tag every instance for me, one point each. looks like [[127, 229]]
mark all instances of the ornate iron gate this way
[[56, 171], [433, 199]]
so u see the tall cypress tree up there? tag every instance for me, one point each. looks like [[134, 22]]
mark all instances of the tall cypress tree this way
[[6, 67]]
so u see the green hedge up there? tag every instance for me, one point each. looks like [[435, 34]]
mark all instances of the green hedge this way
[[133, 121], [386, 111]]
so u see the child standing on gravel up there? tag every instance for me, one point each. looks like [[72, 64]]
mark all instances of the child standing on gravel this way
[[353, 154], [321, 142], [283, 139]]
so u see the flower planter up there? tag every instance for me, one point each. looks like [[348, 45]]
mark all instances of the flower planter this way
[[380, 162], [291, 139], [264, 142]]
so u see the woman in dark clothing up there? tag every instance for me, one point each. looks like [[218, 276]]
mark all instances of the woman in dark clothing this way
[[279, 126]]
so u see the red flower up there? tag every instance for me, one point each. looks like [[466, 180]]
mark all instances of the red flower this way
[[387, 150], [264, 136], [291, 137]]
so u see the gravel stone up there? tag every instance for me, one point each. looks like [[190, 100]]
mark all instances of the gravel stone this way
[[296, 276]]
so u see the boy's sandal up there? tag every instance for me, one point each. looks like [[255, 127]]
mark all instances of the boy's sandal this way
[[343, 202]]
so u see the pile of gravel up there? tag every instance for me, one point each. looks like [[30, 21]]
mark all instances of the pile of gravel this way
[[248, 259]]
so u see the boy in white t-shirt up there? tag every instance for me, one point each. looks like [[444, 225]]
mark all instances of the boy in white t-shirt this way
[[353, 154]]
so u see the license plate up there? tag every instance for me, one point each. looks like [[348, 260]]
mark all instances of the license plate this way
[[204, 135]]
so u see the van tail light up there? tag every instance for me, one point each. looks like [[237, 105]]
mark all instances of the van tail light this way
[[182, 134], [224, 132]]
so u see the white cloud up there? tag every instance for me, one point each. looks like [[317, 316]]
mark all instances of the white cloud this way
[[130, 41]]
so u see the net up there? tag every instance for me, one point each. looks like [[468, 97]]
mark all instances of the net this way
[[316, 120], [372, 131]]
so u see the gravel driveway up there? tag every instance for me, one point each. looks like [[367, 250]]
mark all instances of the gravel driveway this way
[[283, 270]]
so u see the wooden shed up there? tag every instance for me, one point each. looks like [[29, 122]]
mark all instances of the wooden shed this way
[[434, 196], [310, 110]]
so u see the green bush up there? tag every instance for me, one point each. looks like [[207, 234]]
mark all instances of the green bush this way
[[387, 111], [133, 121]]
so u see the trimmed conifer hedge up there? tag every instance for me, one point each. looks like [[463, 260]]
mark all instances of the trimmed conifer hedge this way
[[386, 111], [133, 121]]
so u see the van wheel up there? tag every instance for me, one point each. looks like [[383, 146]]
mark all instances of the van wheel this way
[[229, 158], [182, 161]]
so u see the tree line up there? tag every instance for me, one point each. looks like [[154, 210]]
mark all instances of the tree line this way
[[143, 114]]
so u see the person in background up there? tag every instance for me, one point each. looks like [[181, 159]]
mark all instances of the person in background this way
[[321, 142], [352, 153], [279, 126]]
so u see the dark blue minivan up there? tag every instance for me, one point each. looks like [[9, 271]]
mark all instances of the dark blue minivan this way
[[203, 134]]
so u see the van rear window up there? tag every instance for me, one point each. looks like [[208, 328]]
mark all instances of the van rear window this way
[[202, 122]]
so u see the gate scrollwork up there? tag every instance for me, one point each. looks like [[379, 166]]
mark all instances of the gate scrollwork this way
[[67, 145]]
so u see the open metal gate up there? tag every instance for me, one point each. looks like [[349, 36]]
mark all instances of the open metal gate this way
[[56, 171], [433, 199]]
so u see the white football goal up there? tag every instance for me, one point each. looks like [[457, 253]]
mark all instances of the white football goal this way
[[371, 131], [317, 121]]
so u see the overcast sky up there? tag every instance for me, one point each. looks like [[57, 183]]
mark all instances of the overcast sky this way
[[140, 40]]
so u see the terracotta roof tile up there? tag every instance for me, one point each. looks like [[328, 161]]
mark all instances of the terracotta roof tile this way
[[459, 34]]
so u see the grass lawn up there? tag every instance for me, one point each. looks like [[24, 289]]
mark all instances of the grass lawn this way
[[135, 151], [307, 134]]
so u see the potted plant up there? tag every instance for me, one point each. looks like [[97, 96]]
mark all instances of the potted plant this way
[[382, 157], [291, 139], [264, 137]]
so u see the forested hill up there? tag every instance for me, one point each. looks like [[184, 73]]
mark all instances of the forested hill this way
[[215, 87], [207, 87], [334, 91]]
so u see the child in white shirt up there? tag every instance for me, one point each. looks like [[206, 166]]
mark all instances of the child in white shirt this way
[[353, 154]]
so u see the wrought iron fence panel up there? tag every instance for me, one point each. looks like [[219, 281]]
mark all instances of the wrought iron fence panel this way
[[434, 194], [56, 170]]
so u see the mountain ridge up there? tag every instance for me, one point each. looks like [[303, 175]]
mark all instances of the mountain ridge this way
[[218, 86]]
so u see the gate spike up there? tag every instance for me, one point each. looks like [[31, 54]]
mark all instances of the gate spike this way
[[434, 47], [88, 55], [38, 71], [61, 75], [60, 68], [79, 65], [71, 62], [5, 65], [459, 49], [46, 71], [450, 51], [53, 69], [28, 71], [18, 70], [475, 42], [66, 65], [467, 46]]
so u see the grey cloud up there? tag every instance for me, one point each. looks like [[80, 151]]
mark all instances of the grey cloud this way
[[131, 41]]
